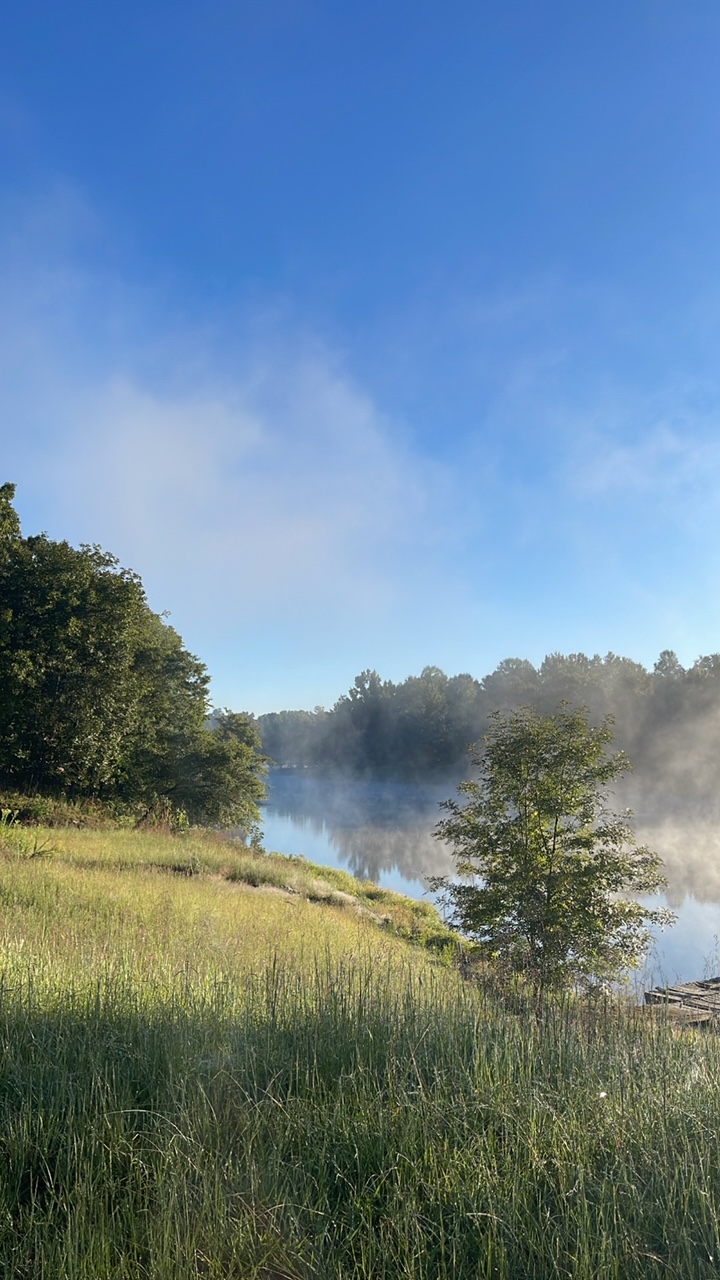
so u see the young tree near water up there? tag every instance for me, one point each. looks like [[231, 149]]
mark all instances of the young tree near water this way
[[542, 857]]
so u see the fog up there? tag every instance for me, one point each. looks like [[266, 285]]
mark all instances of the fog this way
[[383, 831], [675, 798], [377, 829], [380, 827]]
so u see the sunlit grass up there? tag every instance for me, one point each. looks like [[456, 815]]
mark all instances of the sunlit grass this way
[[202, 853], [199, 1078]]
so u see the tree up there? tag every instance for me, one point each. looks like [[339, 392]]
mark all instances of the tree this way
[[9, 519], [70, 622], [234, 772], [541, 856], [98, 695], [362, 724]]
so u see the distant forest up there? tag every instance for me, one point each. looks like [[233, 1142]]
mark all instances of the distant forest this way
[[667, 719]]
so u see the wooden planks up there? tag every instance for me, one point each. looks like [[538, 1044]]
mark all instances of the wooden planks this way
[[700, 998]]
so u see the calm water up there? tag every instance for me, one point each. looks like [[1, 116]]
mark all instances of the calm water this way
[[382, 831]]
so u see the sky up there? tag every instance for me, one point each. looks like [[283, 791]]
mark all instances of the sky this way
[[371, 335]]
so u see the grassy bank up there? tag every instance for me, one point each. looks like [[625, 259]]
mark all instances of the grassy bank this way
[[200, 1077]]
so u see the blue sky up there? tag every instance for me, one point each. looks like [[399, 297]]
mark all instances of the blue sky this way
[[371, 335]]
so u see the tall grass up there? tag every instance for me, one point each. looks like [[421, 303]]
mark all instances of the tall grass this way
[[198, 1079]]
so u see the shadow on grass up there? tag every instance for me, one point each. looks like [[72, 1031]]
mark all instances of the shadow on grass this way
[[347, 1125]]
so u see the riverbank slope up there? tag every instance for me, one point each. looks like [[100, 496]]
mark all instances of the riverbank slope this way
[[215, 1064]]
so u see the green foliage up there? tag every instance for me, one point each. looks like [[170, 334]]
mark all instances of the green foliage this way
[[71, 621], [219, 775], [9, 519], [100, 699], [543, 859], [61, 811], [424, 723], [667, 720], [16, 841]]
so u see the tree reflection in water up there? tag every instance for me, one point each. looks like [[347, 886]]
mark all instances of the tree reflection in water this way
[[381, 830], [375, 828]]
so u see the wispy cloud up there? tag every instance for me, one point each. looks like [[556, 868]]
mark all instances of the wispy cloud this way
[[258, 484], [309, 498], [279, 482], [665, 461]]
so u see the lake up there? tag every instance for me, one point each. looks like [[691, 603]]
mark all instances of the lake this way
[[381, 830]]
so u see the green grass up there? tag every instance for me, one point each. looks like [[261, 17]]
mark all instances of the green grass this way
[[200, 853], [202, 1078]]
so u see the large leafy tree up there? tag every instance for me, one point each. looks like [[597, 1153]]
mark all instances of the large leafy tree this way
[[543, 860], [100, 698], [69, 633], [219, 772]]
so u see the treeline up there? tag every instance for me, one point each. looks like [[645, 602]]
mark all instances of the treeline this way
[[667, 719], [99, 699]]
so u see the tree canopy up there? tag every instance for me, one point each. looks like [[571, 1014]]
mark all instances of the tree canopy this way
[[98, 695], [666, 719], [543, 860]]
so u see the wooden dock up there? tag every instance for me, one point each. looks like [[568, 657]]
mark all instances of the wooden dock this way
[[690, 1002]]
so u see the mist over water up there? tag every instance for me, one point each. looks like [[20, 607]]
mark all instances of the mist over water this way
[[382, 830], [378, 829]]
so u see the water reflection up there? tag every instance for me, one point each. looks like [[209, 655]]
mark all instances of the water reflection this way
[[375, 828], [691, 852], [382, 830]]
